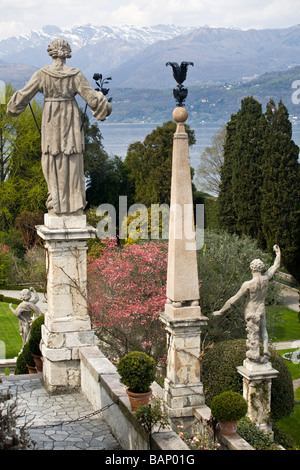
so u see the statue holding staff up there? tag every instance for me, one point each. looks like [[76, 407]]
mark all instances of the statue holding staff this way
[[255, 312], [62, 137]]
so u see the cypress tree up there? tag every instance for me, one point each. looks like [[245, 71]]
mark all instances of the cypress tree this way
[[226, 211], [280, 203], [247, 176]]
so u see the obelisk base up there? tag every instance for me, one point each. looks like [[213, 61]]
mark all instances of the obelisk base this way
[[183, 390], [67, 325]]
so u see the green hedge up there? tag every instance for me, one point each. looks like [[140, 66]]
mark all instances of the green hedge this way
[[24, 358], [219, 374], [10, 300]]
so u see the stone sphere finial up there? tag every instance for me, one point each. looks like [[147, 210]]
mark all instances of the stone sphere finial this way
[[180, 114]]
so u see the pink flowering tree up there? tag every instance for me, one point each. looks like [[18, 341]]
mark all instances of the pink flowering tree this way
[[127, 291], [4, 263]]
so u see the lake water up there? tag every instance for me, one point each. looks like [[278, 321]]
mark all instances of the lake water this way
[[117, 137]]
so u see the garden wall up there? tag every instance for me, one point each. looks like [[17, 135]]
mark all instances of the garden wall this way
[[100, 383]]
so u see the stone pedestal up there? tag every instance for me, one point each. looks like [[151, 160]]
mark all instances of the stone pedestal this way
[[182, 316], [257, 382], [183, 390], [67, 325]]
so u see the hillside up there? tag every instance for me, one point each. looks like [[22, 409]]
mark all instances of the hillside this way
[[210, 103]]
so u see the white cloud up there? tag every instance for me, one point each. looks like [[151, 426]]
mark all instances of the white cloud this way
[[12, 28], [19, 17]]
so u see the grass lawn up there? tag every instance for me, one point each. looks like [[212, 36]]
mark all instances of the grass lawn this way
[[9, 331], [293, 368], [289, 328], [291, 424]]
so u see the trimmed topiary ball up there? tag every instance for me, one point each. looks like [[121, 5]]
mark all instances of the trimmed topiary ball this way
[[229, 406], [137, 371]]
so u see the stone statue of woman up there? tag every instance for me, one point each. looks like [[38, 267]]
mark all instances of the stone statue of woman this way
[[255, 314], [24, 310], [62, 138]]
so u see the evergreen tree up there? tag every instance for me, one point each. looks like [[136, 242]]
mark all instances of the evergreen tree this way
[[149, 165], [246, 169], [260, 190], [226, 210], [280, 204], [104, 174]]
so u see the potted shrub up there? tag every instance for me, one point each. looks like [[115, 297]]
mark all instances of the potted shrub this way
[[25, 363], [34, 341], [228, 408], [137, 371]]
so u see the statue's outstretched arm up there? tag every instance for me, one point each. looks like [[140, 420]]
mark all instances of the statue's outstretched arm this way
[[232, 300], [13, 310], [20, 99]]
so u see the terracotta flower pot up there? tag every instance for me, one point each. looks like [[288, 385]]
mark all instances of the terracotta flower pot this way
[[31, 369], [228, 428], [38, 362], [138, 399]]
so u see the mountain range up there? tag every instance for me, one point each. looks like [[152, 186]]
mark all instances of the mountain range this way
[[135, 57], [228, 64]]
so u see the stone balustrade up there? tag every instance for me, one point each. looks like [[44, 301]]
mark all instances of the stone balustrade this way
[[100, 384]]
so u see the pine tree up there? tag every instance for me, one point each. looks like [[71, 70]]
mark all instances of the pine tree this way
[[280, 204]]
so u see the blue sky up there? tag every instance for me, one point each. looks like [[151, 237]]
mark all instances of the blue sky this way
[[18, 17]]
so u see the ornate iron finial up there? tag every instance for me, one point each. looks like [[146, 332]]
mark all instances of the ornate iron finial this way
[[179, 73]]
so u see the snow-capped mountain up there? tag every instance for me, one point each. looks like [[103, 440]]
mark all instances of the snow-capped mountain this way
[[31, 47], [135, 57]]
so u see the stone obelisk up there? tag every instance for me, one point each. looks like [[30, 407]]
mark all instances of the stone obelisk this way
[[183, 390]]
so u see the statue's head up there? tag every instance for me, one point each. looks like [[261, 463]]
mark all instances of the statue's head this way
[[257, 266], [59, 48], [25, 294]]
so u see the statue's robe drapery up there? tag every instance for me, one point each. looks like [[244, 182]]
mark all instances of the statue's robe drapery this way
[[62, 138]]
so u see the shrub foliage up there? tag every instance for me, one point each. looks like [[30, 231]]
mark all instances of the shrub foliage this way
[[219, 374]]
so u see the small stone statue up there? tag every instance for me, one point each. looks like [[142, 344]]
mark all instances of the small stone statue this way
[[255, 315], [24, 311], [62, 137]]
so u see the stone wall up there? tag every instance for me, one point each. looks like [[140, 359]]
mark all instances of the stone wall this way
[[100, 383], [235, 442]]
